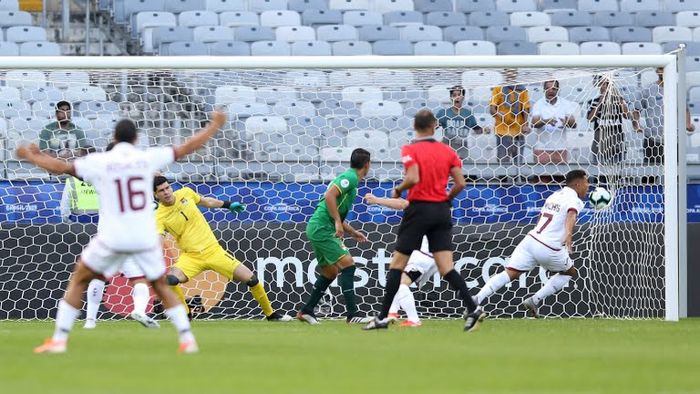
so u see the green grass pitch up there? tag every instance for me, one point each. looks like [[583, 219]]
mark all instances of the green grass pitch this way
[[504, 356]]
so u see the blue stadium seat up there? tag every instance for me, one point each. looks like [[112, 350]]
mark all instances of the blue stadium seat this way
[[270, 48], [516, 48], [25, 33], [9, 49], [185, 48], [351, 48], [208, 34], [529, 18], [254, 33], [391, 5], [332, 33], [272, 94], [322, 17], [692, 48], [630, 34], [467, 6], [475, 48], [505, 33], [149, 19], [680, 5], [220, 6], [569, 5], [167, 34], [516, 5], [692, 63], [597, 5], [426, 6], [295, 108], [663, 34], [124, 9], [654, 18], [347, 5], [229, 48], [9, 5], [402, 18], [600, 48], [547, 33], [437, 48], [640, 5], [571, 18], [373, 33], [641, 48], [295, 33], [688, 18], [197, 18], [462, 33], [488, 18], [39, 48], [445, 18], [238, 18], [280, 18], [303, 5], [415, 33], [613, 18], [178, 6], [591, 33], [266, 5], [361, 18], [558, 48], [393, 48], [311, 48]]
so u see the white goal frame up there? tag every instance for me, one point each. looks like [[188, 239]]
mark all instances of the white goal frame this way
[[674, 92]]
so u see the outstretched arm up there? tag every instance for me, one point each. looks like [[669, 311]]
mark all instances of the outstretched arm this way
[[393, 203], [53, 165], [210, 202], [196, 141]]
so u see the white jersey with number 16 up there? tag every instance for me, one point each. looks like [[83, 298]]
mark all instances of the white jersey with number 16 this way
[[123, 178], [550, 229]]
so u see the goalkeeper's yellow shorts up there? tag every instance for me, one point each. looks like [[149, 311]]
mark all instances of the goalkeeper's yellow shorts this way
[[213, 259]]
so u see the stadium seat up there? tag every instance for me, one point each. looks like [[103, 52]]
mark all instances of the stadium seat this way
[[692, 48], [392, 78], [266, 5], [94, 109], [311, 48], [488, 18], [352, 77], [178, 6], [254, 33], [322, 17], [462, 33], [381, 109], [640, 5], [274, 94], [351, 48], [597, 5], [280, 18], [482, 148], [391, 5], [360, 94], [224, 95], [641, 48], [696, 34], [332, 33], [426, 6], [558, 48], [229, 48], [680, 5], [516, 48], [547, 33], [692, 79], [25, 79], [42, 94], [591, 33], [153, 38], [364, 138], [9, 49], [361, 18], [66, 79], [270, 48], [600, 48], [208, 34], [654, 18], [529, 18], [692, 63], [148, 19], [9, 5], [505, 33], [220, 6], [238, 18], [403, 18], [571, 18], [630, 34], [558, 5], [478, 77], [684, 18], [433, 48], [10, 93], [613, 18], [468, 6], [15, 109], [445, 18], [348, 5], [663, 34], [415, 33], [294, 108], [373, 33], [129, 7], [185, 48], [265, 124], [25, 33], [475, 48], [39, 48], [295, 33], [303, 5], [516, 5]]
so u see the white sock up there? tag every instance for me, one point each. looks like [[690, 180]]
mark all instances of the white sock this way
[[94, 298], [140, 295], [407, 302], [65, 317], [395, 304], [554, 284], [492, 285], [178, 316]]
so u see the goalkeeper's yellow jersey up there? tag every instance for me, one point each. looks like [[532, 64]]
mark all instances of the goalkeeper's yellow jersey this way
[[184, 221]]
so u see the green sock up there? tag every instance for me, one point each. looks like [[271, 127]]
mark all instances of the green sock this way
[[347, 285], [320, 287]]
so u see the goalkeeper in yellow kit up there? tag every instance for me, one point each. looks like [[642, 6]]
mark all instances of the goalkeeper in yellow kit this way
[[179, 215]]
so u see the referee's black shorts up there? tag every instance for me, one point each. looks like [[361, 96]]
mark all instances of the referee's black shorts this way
[[432, 219]]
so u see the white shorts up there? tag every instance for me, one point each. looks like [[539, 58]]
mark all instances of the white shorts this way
[[131, 270], [103, 260], [530, 253], [421, 262]]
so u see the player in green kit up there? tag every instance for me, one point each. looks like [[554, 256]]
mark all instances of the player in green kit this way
[[325, 231]]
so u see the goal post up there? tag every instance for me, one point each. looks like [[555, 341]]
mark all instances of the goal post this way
[[282, 159]]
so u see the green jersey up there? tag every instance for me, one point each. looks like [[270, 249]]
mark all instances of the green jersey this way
[[347, 185]]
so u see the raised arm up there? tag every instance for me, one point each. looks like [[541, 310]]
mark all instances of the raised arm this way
[[51, 164], [211, 202], [393, 203], [196, 141]]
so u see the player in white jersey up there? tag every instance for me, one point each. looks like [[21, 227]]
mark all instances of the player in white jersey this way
[[420, 268], [547, 245], [123, 178]]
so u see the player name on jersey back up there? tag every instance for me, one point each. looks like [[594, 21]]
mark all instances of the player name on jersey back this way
[[551, 226]]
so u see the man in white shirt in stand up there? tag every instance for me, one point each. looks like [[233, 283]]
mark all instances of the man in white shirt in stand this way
[[551, 116]]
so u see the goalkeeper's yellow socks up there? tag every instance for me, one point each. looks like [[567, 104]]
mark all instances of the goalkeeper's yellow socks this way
[[181, 296], [258, 292], [346, 280]]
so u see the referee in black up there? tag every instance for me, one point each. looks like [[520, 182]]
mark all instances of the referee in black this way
[[428, 164]]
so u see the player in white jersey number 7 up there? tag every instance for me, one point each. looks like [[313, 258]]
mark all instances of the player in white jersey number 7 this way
[[547, 245], [123, 178]]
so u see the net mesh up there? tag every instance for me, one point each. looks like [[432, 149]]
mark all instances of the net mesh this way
[[291, 131]]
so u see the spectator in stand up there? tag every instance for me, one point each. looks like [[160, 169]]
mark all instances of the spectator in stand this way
[[510, 107], [62, 138], [457, 121], [551, 116]]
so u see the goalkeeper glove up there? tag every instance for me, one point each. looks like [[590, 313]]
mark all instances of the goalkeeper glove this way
[[235, 207]]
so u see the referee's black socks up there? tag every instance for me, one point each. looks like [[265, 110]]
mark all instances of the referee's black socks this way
[[393, 281], [458, 284]]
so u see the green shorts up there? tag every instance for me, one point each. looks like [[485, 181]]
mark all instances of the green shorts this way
[[328, 248]]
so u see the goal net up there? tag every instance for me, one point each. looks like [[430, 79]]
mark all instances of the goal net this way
[[518, 127]]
